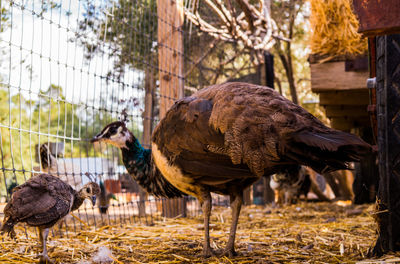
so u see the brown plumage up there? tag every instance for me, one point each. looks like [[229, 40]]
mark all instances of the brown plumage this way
[[42, 201], [225, 137]]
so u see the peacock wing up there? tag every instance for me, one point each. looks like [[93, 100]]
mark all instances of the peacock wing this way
[[253, 119], [263, 129]]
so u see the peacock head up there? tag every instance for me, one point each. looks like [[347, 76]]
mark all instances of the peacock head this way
[[116, 134], [90, 191]]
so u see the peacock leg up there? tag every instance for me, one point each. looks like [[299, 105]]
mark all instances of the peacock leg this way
[[236, 201], [205, 202], [43, 234]]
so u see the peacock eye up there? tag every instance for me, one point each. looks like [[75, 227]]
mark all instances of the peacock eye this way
[[88, 190]]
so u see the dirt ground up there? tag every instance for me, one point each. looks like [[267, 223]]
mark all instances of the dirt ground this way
[[302, 233]]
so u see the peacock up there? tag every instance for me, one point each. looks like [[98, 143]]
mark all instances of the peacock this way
[[225, 137], [42, 201]]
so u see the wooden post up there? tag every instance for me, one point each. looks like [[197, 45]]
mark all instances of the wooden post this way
[[388, 105], [170, 64], [170, 52], [149, 84]]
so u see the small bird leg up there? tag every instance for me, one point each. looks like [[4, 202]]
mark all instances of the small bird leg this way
[[43, 234], [236, 201], [206, 206]]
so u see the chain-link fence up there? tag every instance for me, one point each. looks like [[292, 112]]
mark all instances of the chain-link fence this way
[[68, 68]]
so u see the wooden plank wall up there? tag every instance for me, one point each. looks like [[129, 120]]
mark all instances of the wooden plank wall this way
[[331, 76], [378, 17], [342, 93]]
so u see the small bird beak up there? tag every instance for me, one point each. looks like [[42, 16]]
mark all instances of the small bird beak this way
[[94, 200]]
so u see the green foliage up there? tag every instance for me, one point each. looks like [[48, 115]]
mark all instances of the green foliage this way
[[47, 116], [50, 116], [4, 17], [281, 13], [129, 28]]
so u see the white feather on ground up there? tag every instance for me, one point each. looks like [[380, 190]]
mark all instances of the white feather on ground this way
[[103, 255]]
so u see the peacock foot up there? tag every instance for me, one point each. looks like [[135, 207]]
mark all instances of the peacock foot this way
[[208, 252], [44, 259], [228, 252]]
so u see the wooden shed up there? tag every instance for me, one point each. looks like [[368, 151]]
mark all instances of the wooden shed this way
[[341, 85]]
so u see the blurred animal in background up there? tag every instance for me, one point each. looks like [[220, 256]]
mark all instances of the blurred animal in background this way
[[10, 187], [290, 184], [41, 202], [224, 138], [47, 159], [104, 199], [51, 164]]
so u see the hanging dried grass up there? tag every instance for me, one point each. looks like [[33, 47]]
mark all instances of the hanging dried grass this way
[[334, 29]]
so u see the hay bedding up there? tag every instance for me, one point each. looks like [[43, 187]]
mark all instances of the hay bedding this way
[[303, 233]]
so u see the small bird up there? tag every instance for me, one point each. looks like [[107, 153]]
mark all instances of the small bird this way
[[42, 201], [51, 164], [224, 138], [47, 159], [104, 199], [290, 184]]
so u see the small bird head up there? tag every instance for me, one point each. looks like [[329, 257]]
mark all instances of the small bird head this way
[[116, 134], [90, 191]]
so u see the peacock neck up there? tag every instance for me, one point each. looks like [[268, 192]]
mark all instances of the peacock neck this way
[[139, 164], [137, 160], [78, 201]]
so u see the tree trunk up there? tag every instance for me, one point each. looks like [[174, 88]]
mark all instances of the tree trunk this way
[[287, 64], [285, 53]]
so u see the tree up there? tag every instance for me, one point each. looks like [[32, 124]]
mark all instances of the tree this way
[[238, 22], [126, 31], [286, 14]]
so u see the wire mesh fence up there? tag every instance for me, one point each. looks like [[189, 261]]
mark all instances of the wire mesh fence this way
[[68, 68]]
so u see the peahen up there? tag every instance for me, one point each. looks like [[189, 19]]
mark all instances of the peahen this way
[[225, 137], [42, 201]]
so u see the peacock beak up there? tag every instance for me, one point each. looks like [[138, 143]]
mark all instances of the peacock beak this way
[[93, 198], [95, 139]]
